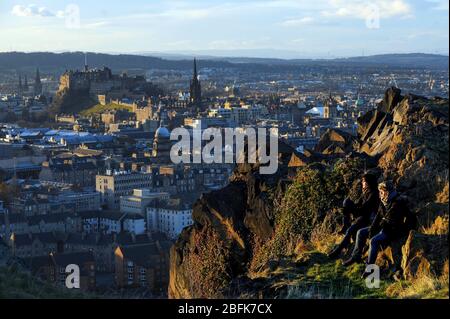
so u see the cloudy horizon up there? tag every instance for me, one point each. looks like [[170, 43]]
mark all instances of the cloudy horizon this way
[[259, 28]]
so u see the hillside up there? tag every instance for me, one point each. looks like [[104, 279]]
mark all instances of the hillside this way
[[99, 108], [75, 60], [267, 236], [48, 61], [16, 281], [19, 284]]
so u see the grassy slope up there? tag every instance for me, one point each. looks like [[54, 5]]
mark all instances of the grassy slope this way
[[315, 276], [98, 109], [20, 285]]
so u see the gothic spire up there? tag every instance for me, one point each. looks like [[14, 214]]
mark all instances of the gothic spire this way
[[195, 68], [38, 76], [37, 83], [195, 88], [20, 83], [86, 68]]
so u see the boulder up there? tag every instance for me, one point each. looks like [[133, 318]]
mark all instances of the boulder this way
[[424, 255], [391, 98], [335, 141]]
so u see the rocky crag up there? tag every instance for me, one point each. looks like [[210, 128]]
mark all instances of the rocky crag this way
[[267, 235]]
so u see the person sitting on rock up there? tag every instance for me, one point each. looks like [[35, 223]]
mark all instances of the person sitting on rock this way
[[362, 212], [394, 220]]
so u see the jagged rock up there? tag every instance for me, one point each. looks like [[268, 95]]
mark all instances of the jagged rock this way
[[424, 254], [391, 99], [410, 137], [405, 138], [239, 212], [335, 141]]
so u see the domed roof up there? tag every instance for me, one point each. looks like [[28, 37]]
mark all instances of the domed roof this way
[[162, 132]]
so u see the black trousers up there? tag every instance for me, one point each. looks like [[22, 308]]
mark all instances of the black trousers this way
[[351, 228]]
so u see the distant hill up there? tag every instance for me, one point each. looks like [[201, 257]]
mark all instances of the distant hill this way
[[414, 59], [75, 60]]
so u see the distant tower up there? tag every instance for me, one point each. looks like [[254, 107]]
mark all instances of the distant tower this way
[[330, 108], [37, 84], [25, 86], [195, 89], [20, 88], [86, 68], [298, 114], [162, 145]]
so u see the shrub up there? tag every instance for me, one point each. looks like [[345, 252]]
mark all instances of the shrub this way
[[303, 209], [207, 264]]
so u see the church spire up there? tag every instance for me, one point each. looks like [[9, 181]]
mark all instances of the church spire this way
[[20, 84], [25, 86], [37, 83], [195, 89], [195, 68], [86, 68]]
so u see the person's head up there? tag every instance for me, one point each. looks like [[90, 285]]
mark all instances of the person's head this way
[[369, 182], [385, 189]]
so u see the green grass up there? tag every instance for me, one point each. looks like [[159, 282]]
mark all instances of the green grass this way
[[317, 277], [16, 284], [424, 287], [98, 109]]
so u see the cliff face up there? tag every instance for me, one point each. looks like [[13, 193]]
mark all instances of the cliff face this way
[[405, 139], [410, 135], [234, 217]]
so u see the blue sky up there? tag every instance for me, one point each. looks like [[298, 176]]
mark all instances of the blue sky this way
[[283, 28]]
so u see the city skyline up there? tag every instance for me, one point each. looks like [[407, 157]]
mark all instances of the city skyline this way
[[266, 28]]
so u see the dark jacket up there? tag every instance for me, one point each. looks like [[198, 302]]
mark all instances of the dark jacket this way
[[395, 219], [366, 206]]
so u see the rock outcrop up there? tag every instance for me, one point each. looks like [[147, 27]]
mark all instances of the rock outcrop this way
[[406, 138], [410, 136], [424, 255], [240, 213], [335, 141]]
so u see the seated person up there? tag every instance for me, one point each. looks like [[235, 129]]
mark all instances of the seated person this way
[[363, 212], [393, 221]]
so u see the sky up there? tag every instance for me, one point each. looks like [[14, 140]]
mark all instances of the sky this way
[[275, 28]]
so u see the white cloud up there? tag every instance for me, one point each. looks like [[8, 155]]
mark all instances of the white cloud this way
[[364, 9], [297, 22], [31, 11]]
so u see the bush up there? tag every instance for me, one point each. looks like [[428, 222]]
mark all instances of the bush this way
[[207, 264], [305, 205]]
